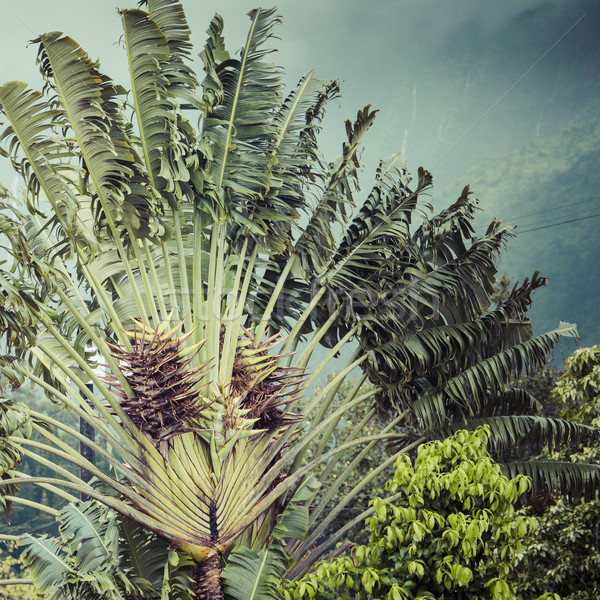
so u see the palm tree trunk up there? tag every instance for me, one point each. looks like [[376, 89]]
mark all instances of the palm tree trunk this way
[[207, 578]]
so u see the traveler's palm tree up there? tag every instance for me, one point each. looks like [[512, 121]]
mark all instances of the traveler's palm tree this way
[[190, 273]]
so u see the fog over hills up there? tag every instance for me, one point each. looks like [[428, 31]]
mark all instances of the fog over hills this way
[[547, 179], [513, 110]]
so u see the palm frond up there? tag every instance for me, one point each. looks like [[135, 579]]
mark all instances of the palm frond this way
[[255, 574], [238, 128], [515, 435], [316, 244], [89, 101], [171, 20]]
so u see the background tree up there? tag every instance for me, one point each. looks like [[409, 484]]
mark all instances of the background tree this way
[[577, 390], [565, 550], [27, 518], [13, 569]]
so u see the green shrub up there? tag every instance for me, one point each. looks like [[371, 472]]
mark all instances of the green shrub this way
[[447, 529]]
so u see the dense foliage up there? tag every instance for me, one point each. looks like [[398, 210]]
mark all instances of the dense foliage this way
[[12, 568], [578, 388], [99, 554], [447, 529], [564, 552]]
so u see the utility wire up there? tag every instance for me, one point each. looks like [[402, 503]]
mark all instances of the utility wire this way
[[577, 213], [547, 210], [541, 212], [556, 224], [23, 22], [491, 108]]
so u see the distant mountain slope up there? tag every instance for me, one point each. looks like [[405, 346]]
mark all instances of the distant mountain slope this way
[[513, 109], [488, 88], [539, 188]]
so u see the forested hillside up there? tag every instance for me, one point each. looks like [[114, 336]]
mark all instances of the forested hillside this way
[[549, 189], [528, 144]]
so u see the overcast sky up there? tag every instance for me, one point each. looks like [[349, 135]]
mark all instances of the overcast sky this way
[[373, 49]]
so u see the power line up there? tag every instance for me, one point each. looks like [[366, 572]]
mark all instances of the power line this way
[[540, 212], [561, 223], [491, 108], [551, 219], [23, 22], [547, 210]]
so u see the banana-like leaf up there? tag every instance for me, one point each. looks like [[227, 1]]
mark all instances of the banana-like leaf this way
[[315, 245], [293, 522], [47, 564], [294, 161], [15, 420], [33, 131], [80, 562], [181, 79], [237, 129], [515, 401], [443, 236], [575, 481], [157, 72], [156, 567], [512, 435], [464, 392], [250, 575], [91, 534], [147, 47], [100, 555], [89, 101]]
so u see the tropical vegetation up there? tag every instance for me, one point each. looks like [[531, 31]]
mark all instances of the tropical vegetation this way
[[565, 549], [447, 529], [11, 569], [180, 287]]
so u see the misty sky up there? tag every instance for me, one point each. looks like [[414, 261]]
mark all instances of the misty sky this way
[[375, 52]]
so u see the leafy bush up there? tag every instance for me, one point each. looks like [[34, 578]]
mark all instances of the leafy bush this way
[[563, 553], [13, 568], [578, 388], [447, 529]]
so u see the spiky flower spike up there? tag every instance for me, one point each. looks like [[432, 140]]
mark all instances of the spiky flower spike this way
[[259, 394], [165, 385], [265, 388]]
